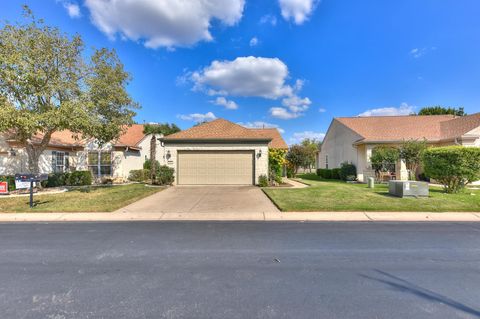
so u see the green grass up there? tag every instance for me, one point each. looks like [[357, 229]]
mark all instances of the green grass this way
[[328, 195], [87, 199]]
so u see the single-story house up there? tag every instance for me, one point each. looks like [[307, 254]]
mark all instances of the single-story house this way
[[220, 153], [352, 139], [67, 152]]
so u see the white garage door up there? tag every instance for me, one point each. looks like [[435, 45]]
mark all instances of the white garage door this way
[[215, 167]]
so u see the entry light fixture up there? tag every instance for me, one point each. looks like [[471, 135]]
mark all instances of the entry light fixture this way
[[259, 153], [13, 152], [168, 154]]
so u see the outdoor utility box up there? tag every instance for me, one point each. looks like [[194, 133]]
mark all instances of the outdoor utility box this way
[[408, 188], [371, 182]]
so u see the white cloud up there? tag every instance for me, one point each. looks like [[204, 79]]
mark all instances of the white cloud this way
[[283, 113], [269, 19], [72, 8], [404, 109], [163, 23], [253, 77], [300, 136], [261, 124], [253, 41], [419, 52], [322, 110], [245, 76], [198, 117], [297, 10], [222, 101]]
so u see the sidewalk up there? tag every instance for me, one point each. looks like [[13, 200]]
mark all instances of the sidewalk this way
[[259, 216]]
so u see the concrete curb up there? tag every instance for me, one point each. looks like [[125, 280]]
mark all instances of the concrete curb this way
[[256, 216]]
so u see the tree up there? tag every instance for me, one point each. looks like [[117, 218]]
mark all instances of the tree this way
[[411, 153], [153, 159], [440, 110], [276, 160], [161, 128], [384, 158], [296, 156], [453, 166], [312, 146], [46, 86]]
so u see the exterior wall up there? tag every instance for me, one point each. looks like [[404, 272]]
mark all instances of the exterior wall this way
[[261, 163], [338, 146], [10, 165]]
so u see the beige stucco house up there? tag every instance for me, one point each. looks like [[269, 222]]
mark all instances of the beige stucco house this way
[[352, 139], [220, 153], [65, 152]]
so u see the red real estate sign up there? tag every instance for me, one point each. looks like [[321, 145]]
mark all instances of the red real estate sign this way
[[3, 188]]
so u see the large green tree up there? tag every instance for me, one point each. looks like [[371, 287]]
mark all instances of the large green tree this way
[[311, 147], [440, 110], [161, 128], [47, 85], [411, 153]]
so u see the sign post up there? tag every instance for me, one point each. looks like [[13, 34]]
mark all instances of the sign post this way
[[30, 178]]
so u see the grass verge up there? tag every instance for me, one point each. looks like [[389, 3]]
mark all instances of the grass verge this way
[[88, 199], [329, 195]]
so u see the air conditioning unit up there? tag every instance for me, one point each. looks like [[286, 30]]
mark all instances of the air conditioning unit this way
[[408, 189]]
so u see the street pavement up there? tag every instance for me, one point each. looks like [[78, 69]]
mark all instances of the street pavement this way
[[240, 270]]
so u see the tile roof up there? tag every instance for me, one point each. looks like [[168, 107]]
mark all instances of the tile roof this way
[[398, 128], [221, 129], [132, 136]]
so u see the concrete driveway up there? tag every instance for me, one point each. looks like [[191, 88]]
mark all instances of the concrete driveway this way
[[205, 199]]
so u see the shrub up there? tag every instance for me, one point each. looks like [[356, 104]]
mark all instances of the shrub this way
[[452, 166], [10, 180], [336, 173], [56, 180], [79, 178], [165, 175], [263, 181], [290, 169], [347, 170], [324, 173], [384, 158], [139, 175], [148, 164], [276, 160]]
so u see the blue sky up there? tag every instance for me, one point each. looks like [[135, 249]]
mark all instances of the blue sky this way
[[294, 64]]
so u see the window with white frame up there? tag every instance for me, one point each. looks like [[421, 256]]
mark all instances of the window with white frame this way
[[100, 163], [60, 161]]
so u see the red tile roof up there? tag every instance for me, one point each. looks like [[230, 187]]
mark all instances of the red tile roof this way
[[221, 129], [399, 128]]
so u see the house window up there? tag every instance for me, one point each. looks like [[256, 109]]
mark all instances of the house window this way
[[100, 163], [60, 161], [326, 161]]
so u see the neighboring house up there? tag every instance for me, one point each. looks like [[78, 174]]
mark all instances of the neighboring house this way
[[219, 153], [352, 139], [66, 153]]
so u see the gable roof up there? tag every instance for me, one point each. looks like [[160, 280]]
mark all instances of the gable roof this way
[[398, 128], [132, 136], [221, 129]]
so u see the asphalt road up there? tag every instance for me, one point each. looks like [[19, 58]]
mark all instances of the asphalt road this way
[[240, 270]]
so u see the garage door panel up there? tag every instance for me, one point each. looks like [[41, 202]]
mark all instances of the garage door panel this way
[[215, 167]]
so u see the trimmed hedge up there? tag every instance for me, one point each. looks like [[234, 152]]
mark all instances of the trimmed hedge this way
[[139, 175], [165, 175], [262, 180], [348, 172], [336, 173], [452, 166], [76, 178]]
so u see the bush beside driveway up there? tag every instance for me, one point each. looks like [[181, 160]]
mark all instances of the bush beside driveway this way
[[328, 195]]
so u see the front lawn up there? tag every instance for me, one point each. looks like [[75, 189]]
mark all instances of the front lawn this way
[[86, 199], [328, 195]]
